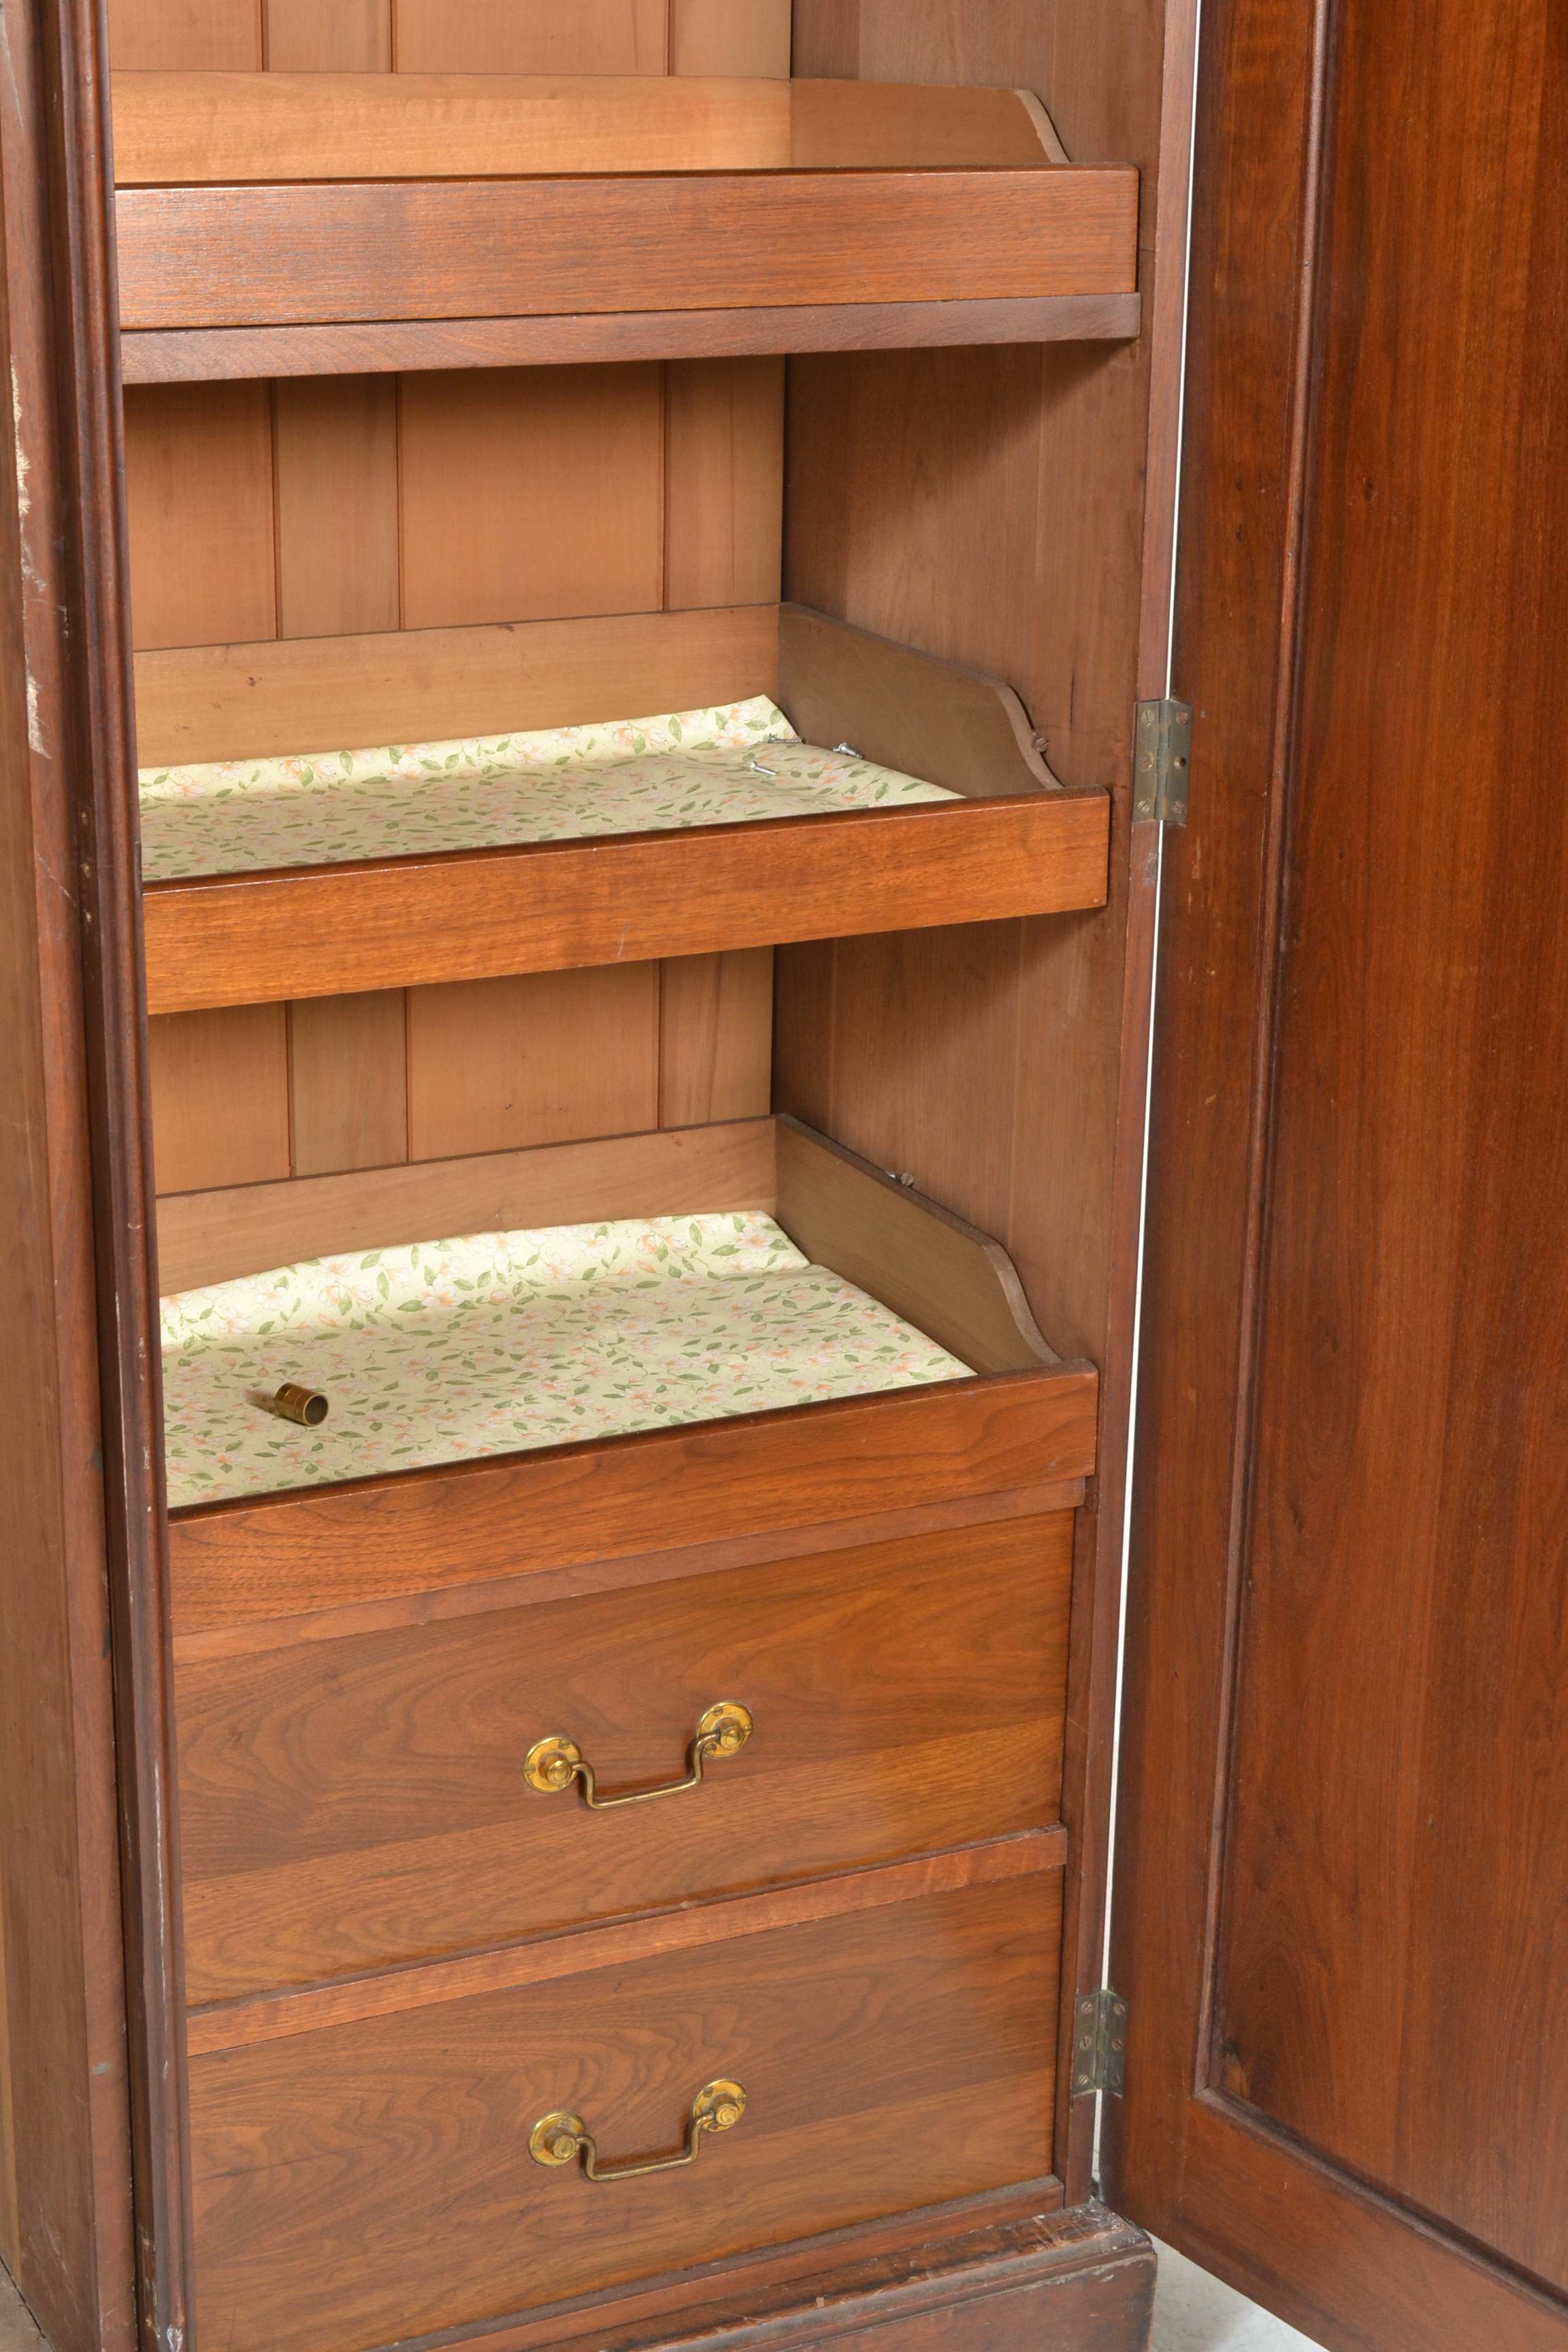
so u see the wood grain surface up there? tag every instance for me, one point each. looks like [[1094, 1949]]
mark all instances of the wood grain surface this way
[[414, 921], [210, 1236], [285, 2014], [1343, 1845], [895, 2063], [1011, 2265], [194, 129], [980, 505], [241, 256], [362, 1802], [211, 354], [425, 1530], [210, 701], [89, 1874]]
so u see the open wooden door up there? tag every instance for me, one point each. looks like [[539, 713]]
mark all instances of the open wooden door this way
[[1342, 1902]]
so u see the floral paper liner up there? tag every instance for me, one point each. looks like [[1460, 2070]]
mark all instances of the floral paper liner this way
[[729, 765], [451, 1351]]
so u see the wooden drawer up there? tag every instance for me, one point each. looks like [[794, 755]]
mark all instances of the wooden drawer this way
[[351, 1802], [367, 2178]]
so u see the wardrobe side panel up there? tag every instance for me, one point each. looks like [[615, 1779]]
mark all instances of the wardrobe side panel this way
[[65, 2128], [988, 506]]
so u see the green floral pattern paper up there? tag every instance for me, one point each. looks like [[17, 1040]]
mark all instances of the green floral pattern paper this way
[[449, 1351], [724, 766]]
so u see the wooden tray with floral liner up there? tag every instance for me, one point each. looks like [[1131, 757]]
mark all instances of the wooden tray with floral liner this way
[[1002, 837]]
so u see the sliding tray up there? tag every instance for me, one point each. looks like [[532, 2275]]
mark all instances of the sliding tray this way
[[289, 224], [1005, 839], [1012, 1434]]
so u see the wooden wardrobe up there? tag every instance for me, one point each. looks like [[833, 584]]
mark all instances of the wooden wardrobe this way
[[425, 372]]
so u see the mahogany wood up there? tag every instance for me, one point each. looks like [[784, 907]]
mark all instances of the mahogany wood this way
[[284, 2014], [973, 504], [219, 1085], [209, 1236], [610, 36], [254, 701], [362, 1801], [88, 1876], [898, 707], [1027, 2277], [939, 1273], [427, 1529], [1346, 1664], [348, 1082], [192, 129], [236, 256], [536, 1588], [326, 930], [715, 1037], [501, 1065], [210, 354], [894, 2063]]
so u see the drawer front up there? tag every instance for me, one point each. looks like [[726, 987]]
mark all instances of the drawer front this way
[[370, 2181], [350, 1803]]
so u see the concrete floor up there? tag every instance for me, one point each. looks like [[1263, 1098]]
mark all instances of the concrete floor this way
[[1193, 2312], [18, 2333]]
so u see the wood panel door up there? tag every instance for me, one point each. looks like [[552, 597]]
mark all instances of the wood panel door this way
[[1342, 1906]]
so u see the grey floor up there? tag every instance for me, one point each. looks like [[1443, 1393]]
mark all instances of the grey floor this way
[[18, 2333], [1193, 2312]]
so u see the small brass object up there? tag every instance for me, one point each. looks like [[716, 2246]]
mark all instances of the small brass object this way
[[552, 1765], [557, 2137], [297, 1402]]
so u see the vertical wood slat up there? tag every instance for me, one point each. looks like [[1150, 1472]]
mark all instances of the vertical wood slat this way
[[715, 1037], [497, 1065], [544, 36], [720, 37], [335, 459], [528, 493], [723, 500], [220, 1097], [348, 1081], [186, 35], [329, 36], [199, 488]]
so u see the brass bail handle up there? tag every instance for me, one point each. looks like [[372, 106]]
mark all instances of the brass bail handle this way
[[553, 1764], [556, 2138]]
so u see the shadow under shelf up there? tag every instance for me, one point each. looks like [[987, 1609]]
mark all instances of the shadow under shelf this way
[[298, 224], [978, 829]]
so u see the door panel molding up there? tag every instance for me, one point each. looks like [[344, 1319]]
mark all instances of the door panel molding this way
[[1317, 121]]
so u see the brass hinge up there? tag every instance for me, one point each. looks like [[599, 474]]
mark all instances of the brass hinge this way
[[1161, 761], [1099, 2043]]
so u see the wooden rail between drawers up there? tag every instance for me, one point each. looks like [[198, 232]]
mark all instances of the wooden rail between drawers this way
[[233, 2025]]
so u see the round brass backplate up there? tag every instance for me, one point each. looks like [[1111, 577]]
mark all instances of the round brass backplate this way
[[555, 2139], [718, 2106], [726, 1727], [552, 1765]]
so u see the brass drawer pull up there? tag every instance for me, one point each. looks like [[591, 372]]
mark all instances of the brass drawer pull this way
[[553, 1764], [557, 2139]]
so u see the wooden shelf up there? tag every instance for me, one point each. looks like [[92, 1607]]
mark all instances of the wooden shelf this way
[[303, 224], [1027, 1424], [1015, 844]]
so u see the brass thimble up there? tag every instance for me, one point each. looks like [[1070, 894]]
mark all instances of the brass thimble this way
[[297, 1402]]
